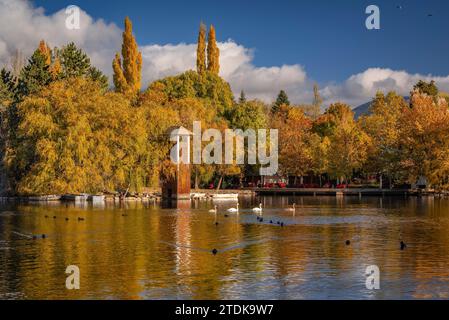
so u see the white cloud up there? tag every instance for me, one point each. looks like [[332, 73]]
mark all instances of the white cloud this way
[[22, 26], [236, 68], [363, 86]]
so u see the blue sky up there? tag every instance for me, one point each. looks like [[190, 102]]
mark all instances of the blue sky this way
[[265, 45], [328, 38]]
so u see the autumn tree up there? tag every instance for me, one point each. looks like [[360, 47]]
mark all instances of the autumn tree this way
[[423, 132], [348, 143], [295, 156], [127, 72], [382, 126], [201, 50], [243, 116], [213, 89], [213, 53], [72, 141]]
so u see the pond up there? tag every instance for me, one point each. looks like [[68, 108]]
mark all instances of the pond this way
[[164, 251]]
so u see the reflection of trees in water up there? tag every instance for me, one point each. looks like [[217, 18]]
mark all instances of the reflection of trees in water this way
[[156, 253]]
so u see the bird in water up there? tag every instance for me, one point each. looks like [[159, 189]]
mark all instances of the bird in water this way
[[348, 242], [293, 208], [258, 209], [80, 219], [234, 210], [214, 210], [403, 245], [214, 251]]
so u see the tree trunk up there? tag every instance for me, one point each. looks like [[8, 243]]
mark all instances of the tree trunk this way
[[321, 184], [220, 182], [380, 182], [196, 179]]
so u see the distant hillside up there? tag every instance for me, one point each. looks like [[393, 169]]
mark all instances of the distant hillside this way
[[364, 108], [361, 110]]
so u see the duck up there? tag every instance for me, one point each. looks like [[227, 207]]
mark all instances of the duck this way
[[403, 245], [214, 210], [258, 209], [236, 210]]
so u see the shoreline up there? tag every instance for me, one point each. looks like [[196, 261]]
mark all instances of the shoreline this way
[[210, 194]]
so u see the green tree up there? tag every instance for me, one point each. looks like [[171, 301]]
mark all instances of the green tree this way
[[76, 63], [282, 99], [35, 75], [242, 98], [7, 86], [215, 92], [248, 115], [428, 88]]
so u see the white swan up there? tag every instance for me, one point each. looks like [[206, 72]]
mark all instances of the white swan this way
[[293, 208], [259, 209], [213, 210], [234, 209]]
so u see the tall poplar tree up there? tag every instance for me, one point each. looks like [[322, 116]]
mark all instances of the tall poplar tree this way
[[213, 53], [127, 72], [201, 50]]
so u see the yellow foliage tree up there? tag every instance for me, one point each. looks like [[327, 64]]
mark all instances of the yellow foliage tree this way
[[295, 153], [213, 53], [348, 143], [72, 140], [201, 50], [45, 50], [127, 73], [382, 126], [423, 136]]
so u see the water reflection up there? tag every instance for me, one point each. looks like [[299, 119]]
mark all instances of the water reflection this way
[[164, 251]]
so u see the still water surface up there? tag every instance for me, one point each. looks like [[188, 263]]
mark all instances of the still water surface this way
[[149, 251]]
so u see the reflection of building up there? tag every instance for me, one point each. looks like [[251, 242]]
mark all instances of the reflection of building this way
[[178, 185]]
